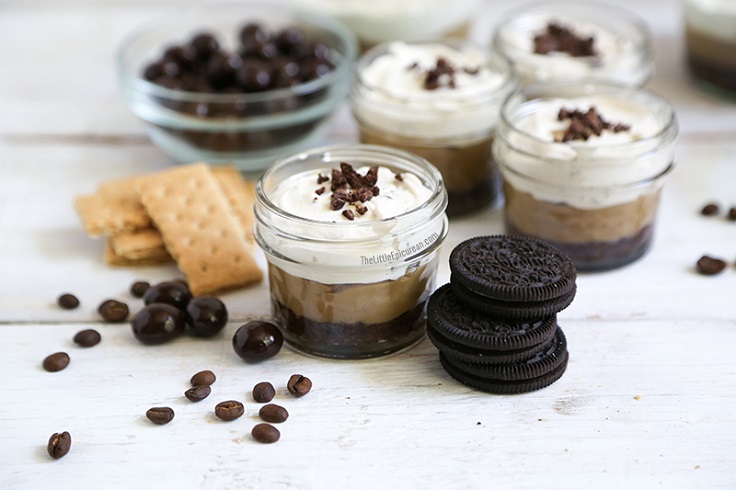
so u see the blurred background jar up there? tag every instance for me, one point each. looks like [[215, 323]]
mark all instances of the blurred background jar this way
[[710, 34]]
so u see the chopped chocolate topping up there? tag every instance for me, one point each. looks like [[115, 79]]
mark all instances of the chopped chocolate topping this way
[[585, 124], [361, 209], [348, 214], [338, 180], [371, 177], [320, 191], [375, 190], [322, 178], [443, 75], [399, 177], [558, 38], [349, 187]]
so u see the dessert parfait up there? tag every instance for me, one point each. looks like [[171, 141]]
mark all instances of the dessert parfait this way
[[583, 168], [351, 235], [710, 33], [440, 101], [575, 41]]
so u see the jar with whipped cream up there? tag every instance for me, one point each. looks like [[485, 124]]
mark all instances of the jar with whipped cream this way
[[440, 101], [566, 41], [584, 166], [378, 21], [710, 36], [351, 235]]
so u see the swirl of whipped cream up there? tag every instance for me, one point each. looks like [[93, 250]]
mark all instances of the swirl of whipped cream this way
[[391, 93]]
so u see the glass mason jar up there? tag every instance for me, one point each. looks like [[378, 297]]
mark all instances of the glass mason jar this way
[[621, 43], [350, 288], [451, 126], [595, 199], [710, 35]]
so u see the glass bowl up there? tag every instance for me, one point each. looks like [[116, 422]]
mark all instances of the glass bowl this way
[[249, 129]]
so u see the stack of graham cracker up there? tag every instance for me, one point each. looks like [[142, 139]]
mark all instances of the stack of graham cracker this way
[[197, 215]]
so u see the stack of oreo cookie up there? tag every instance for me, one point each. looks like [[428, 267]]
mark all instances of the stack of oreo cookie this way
[[495, 324]]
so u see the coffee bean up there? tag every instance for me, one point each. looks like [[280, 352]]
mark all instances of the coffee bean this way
[[87, 338], [263, 392], [56, 362], [67, 301], [731, 216], [710, 266], [265, 433], [59, 444], [299, 385], [203, 378], [198, 393], [229, 410], [139, 288], [273, 413], [113, 311], [710, 209], [160, 415]]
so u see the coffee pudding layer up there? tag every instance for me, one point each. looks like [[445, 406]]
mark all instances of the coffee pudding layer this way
[[710, 38]]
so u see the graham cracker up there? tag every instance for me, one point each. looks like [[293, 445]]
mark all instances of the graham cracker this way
[[199, 229], [145, 244], [241, 195], [114, 208], [113, 259]]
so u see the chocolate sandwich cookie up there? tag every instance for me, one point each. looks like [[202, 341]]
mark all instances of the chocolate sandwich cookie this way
[[448, 316], [518, 310], [512, 269]]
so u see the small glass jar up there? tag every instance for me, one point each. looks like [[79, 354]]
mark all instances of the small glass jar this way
[[710, 35], [595, 199], [621, 44], [452, 127], [351, 289]]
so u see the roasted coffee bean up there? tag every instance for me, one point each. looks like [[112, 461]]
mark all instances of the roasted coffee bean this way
[[710, 266], [172, 293], [206, 316], [160, 415], [203, 378], [205, 45], [731, 216], [299, 385], [139, 288], [67, 301], [113, 311], [56, 362], [710, 209], [273, 413], [59, 444], [158, 323], [265, 433], [87, 338], [229, 410], [198, 393], [257, 340], [263, 392]]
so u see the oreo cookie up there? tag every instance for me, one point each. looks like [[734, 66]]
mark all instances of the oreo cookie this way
[[512, 268]]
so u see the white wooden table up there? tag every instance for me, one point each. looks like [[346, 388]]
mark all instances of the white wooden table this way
[[647, 401]]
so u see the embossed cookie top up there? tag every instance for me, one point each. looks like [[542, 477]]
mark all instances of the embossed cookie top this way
[[512, 268], [450, 317]]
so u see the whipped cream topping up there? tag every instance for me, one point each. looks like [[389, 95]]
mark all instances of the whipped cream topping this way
[[378, 21], [714, 17], [392, 94], [617, 57], [598, 172]]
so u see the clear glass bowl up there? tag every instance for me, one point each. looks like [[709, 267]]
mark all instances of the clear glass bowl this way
[[250, 130]]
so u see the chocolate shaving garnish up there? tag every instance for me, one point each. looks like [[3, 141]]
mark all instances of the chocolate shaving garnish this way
[[354, 179], [338, 180], [375, 190], [371, 177], [349, 187], [399, 177], [585, 124], [361, 209], [558, 38], [443, 74], [348, 214], [320, 191], [322, 178], [364, 194]]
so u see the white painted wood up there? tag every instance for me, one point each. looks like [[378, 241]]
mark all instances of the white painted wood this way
[[647, 399]]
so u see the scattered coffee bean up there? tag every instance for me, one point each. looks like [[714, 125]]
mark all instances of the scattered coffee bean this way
[[174, 293], [731, 216], [59, 444], [206, 316], [263, 392], [87, 338], [299, 385], [229, 410], [265, 433], [113, 311], [158, 323], [160, 415], [67, 301], [257, 340], [273, 413], [203, 378], [198, 393], [710, 209], [139, 288], [710, 266], [56, 362]]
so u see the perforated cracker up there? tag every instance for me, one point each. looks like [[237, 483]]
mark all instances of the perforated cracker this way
[[241, 194], [113, 259], [114, 208], [200, 230], [145, 244]]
